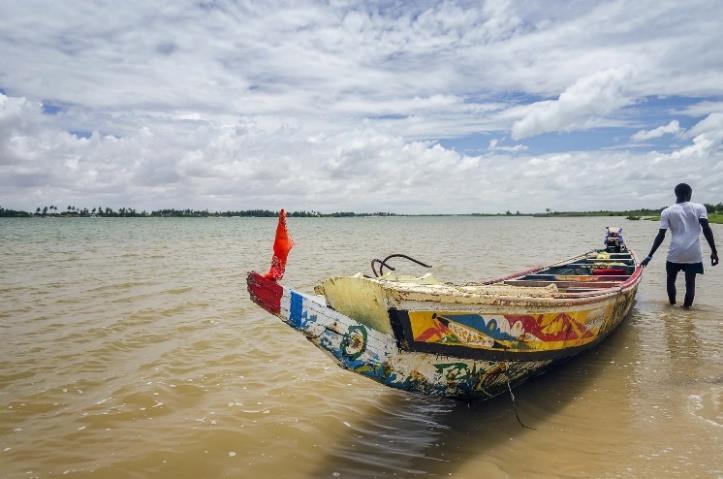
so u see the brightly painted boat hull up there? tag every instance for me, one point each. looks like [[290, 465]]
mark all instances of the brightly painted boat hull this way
[[414, 354]]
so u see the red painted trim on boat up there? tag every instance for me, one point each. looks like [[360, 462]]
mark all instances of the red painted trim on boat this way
[[265, 292], [635, 276]]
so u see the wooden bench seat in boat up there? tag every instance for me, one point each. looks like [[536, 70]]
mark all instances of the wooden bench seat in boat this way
[[575, 277], [593, 261], [563, 284], [578, 269]]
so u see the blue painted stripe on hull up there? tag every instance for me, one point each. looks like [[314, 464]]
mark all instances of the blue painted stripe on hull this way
[[295, 309]]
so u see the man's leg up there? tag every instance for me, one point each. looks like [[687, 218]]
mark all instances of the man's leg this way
[[689, 289], [672, 276]]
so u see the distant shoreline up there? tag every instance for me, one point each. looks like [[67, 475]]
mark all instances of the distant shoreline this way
[[715, 213]]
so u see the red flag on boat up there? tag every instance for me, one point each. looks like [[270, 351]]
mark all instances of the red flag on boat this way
[[282, 245]]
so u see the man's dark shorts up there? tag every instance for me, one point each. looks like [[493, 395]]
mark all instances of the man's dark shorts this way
[[673, 268]]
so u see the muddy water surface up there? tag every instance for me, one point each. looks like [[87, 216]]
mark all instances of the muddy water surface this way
[[129, 348]]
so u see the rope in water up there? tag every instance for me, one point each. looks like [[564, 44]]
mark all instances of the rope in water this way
[[514, 406]]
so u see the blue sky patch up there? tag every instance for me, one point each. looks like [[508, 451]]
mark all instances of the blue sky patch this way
[[81, 133], [51, 108]]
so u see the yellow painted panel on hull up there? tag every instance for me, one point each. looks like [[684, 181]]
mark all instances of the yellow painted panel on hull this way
[[359, 299], [512, 332]]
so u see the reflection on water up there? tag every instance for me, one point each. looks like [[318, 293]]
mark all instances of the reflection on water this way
[[130, 349]]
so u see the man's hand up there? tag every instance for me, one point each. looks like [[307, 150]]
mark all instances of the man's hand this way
[[645, 262], [708, 233]]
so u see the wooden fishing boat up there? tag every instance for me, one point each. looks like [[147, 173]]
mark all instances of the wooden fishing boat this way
[[465, 341]]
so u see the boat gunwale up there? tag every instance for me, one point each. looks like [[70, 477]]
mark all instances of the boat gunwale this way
[[558, 299], [423, 348]]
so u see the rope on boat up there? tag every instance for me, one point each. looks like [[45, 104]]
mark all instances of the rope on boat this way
[[383, 263], [514, 406], [375, 261]]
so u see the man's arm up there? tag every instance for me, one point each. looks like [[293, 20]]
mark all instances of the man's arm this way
[[656, 244], [708, 233]]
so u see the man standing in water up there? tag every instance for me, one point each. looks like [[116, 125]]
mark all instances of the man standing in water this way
[[685, 220]]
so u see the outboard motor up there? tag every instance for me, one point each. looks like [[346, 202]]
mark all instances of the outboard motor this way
[[614, 242]]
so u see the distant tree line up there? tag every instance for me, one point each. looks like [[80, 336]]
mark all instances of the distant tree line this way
[[261, 213], [712, 209], [8, 213], [124, 212], [506, 213], [638, 212], [71, 210]]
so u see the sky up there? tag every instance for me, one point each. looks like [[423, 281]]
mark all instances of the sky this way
[[400, 106]]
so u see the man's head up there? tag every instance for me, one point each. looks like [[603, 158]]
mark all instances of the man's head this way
[[683, 192]]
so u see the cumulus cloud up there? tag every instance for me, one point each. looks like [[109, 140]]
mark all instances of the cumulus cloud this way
[[672, 128], [590, 97], [707, 137], [217, 165], [244, 164]]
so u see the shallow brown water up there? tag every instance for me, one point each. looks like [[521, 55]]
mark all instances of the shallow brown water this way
[[130, 349]]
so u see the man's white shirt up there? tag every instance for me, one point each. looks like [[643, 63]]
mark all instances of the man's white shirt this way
[[683, 221]]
